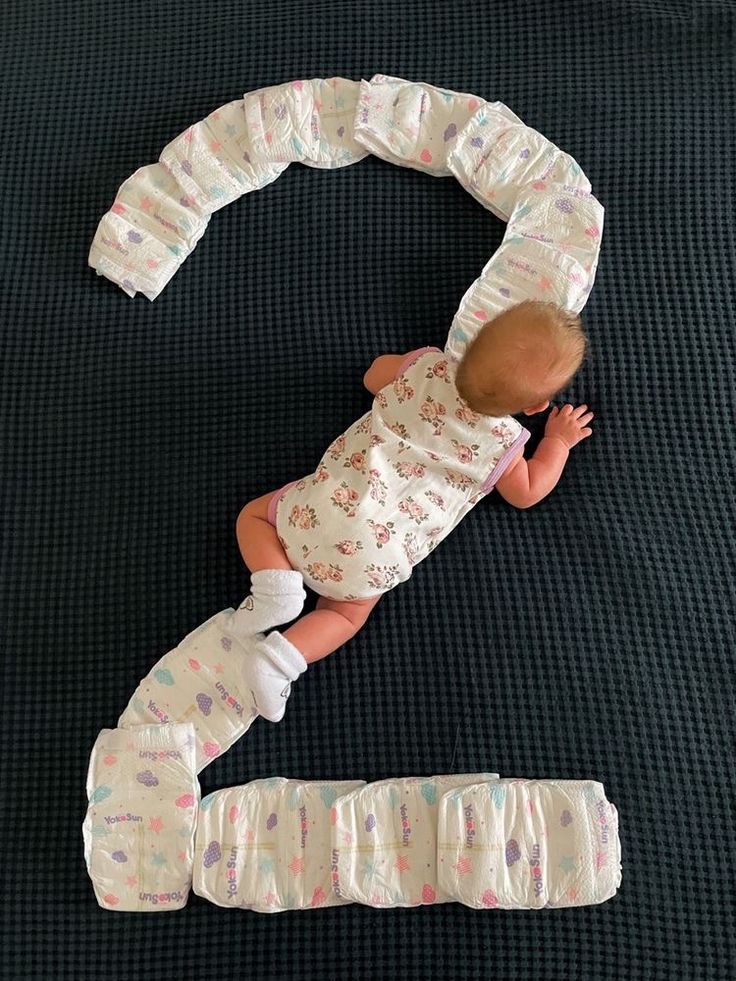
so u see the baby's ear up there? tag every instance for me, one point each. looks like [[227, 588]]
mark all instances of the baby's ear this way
[[534, 409]]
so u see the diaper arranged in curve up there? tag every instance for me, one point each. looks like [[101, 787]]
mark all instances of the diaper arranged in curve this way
[[265, 846], [163, 209], [138, 831], [384, 840], [550, 250], [200, 681], [527, 844]]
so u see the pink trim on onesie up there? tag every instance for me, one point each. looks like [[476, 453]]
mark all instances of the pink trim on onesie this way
[[274, 502], [504, 460], [412, 357]]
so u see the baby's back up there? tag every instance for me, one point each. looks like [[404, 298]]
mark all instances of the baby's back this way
[[394, 484]]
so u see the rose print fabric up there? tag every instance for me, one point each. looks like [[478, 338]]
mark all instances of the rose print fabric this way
[[394, 484]]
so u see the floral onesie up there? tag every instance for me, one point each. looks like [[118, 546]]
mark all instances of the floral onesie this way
[[394, 484]]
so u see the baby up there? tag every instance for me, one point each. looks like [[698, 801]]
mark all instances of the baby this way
[[438, 438]]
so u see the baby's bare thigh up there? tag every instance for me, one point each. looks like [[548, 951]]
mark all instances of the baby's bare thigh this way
[[356, 611], [258, 507]]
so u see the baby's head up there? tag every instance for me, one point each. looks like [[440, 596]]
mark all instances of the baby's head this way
[[520, 359]]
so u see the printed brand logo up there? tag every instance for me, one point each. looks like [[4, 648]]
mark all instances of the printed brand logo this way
[[469, 826], [334, 874], [405, 826], [160, 897], [159, 713], [117, 818], [602, 821], [163, 754], [232, 874], [536, 867], [228, 699], [115, 245], [303, 825]]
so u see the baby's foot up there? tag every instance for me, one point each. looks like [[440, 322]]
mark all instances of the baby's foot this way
[[277, 596], [270, 665]]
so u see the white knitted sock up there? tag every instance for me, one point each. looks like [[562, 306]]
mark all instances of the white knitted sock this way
[[270, 665], [276, 597]]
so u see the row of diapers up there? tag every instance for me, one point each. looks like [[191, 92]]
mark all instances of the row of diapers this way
[[278, 844], [552, 242], [199, 682], [162, 210], [138, 831]]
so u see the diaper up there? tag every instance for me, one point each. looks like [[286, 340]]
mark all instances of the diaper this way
[[384, 840], [199, 681], [335, 102], [494, 157], [563, 217], [266, 846], [139, 828], [213, 161], [148, 232], [414, 124], [525, 844], [309, 121], [521, 269]]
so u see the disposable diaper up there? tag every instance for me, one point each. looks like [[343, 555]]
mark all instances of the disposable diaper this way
[[561, 216], [308, 120], [213, 162], [520, 269], [139, 827], [493, 157], [523, 844], [265, 846], [335, 102], [384, 840], [199, 681], [415, 124]]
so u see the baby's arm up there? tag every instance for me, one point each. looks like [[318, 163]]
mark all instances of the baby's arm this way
[[382, 372], [526, 482], [386, 367]]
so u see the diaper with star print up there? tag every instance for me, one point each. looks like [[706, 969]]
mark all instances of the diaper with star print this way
[[528, 844], [138, 831], [199, 681], [384, 840], [265, 846]]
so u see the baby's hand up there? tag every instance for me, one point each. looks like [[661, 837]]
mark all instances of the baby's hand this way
[[568, 424]]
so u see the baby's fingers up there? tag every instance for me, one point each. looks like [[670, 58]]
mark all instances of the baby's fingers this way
[[584, 420], [585, 432], [579, 411]]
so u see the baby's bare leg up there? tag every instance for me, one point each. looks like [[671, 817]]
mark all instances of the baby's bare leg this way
[[257, 539], [277, 590], [329, 626]]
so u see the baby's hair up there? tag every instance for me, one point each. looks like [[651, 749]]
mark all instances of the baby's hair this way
[[520, 358]]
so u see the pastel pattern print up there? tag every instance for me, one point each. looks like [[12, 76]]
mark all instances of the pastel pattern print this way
[[139, 828], [198, 682]]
